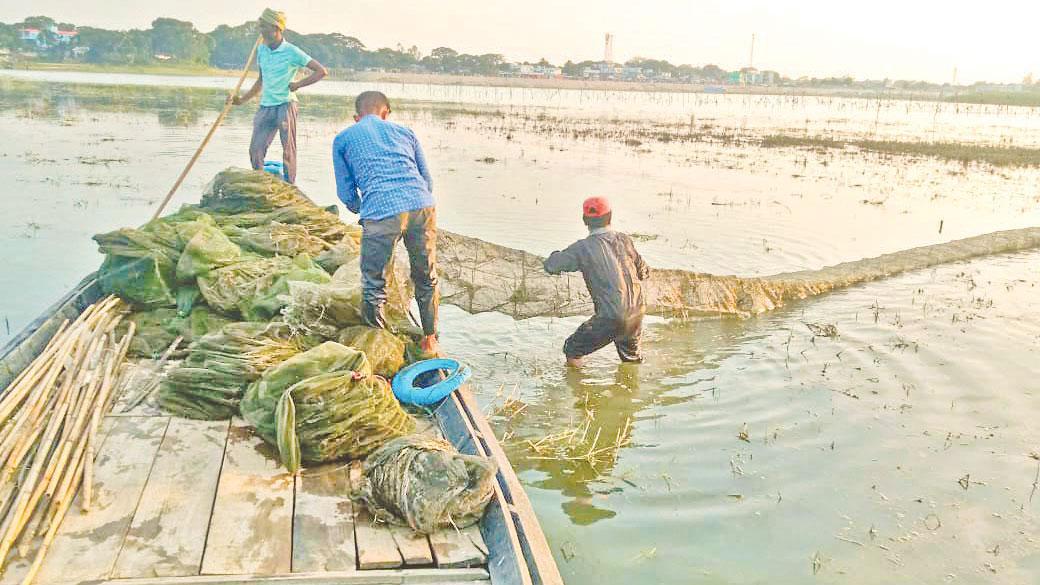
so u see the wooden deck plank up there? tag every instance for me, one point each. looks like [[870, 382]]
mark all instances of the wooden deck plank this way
[[88, 543], [251, 528], [323, 526], [376, 547], [139, 382], [414, 547], [18, 566], [457, 548], [375, 544], [375, 577], [168, 533]]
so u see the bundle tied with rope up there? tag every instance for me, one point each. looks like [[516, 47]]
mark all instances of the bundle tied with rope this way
[[323, 405], [425, 484], [209, 384]]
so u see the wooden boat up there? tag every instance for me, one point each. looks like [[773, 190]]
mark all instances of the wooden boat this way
[[184, 502]]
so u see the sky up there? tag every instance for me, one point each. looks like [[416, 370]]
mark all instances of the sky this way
[[906, 39]]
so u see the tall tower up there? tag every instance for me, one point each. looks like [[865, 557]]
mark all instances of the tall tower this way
[[608, 48], [751, 58]]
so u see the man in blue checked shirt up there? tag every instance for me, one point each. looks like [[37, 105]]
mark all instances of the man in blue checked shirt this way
[[381, 174]]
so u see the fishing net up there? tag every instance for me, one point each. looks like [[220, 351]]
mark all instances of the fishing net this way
[[209, 384], [208, 248], [253, 287], [343, 252], [144, 281], [248, 198], [317, 221], [424, 483], [324, 309], [158, 328], [324, 404], [283, 239], [236, 190], [384, 350], [267, 303]]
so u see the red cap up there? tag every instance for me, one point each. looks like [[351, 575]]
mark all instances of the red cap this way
[[595, 207]]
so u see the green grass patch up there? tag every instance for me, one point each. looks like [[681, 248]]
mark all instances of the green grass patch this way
[[1000, 156]]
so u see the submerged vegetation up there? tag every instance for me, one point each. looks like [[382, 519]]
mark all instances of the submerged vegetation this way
[[1000, 156]]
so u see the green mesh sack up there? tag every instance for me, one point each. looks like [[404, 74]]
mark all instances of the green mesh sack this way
[[317, 221], [324, 404], [325, 309], [207, 249], [158, 328], [268, 302], [283, 239], [187, 295], [200, 393], [145, 281], [384, 350], [236, 190], [343, 252], [424, 483], [225, 288], [209, 383]]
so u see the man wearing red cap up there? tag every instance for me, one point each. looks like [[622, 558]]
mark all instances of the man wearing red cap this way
[[613, 271]]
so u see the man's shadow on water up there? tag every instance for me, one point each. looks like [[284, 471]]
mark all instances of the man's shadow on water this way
[[599, 404]]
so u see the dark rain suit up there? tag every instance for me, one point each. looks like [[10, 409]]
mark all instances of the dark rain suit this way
[[613, 270]]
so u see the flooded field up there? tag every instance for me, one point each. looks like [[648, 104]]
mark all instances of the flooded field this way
[[742, 451]]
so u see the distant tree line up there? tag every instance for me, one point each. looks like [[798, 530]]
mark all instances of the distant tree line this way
[[170, 40], [227, 47]]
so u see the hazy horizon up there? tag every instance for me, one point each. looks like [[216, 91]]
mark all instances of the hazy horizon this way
[[817, 39]]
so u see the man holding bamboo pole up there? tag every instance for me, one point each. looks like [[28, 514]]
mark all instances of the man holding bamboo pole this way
[[278, 61]]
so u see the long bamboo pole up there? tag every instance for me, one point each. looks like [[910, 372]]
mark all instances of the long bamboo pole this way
[[212, 129]]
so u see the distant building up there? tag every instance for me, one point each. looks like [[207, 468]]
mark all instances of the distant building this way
[[37, 37], [29, 34], [750, 76], [534, 71]]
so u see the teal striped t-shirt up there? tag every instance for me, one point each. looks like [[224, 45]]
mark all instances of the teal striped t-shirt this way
[[278, 67]]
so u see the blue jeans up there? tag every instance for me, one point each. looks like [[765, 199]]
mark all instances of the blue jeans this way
[[378, 240]]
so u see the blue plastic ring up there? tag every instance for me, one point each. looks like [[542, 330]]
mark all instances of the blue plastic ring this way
[[404, 382]]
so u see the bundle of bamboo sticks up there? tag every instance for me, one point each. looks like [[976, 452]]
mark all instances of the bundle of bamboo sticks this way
[[49, 420]]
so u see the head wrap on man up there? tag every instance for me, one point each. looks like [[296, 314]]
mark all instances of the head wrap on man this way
[[275, 18]]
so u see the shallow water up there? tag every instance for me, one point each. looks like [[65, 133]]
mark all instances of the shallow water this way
[[899, 449]]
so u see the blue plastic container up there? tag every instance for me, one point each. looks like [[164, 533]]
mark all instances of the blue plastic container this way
[[275, 167], [407, 391]]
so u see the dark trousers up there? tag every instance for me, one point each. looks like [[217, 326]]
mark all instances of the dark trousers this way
[[600, 330], [271, 120], [378, 239]]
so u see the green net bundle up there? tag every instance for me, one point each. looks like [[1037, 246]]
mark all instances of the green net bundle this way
[[276, 238], [247, 198], [324, 309], [209, 384], [424, 483], [140, 264], [207, 250], [384, 350], [324, 404], [254, 287], [343, 252], [158, 328], [236, 190]]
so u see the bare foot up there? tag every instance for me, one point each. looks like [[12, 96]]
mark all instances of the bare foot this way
[[574, 362], [429, 346]]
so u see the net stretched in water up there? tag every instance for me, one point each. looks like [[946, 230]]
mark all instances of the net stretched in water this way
[[479, 277], [424, 483]]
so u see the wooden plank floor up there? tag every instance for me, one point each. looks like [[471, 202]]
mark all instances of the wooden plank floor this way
[[181, 501]]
